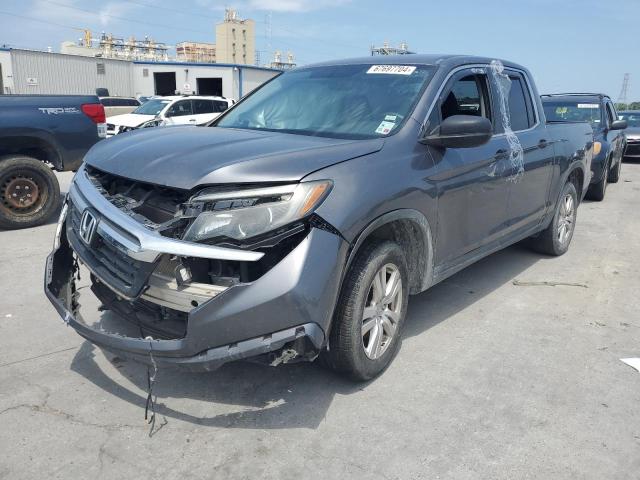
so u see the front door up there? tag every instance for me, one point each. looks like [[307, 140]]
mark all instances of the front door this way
[[471, 182], [181, 113], [531, 168]]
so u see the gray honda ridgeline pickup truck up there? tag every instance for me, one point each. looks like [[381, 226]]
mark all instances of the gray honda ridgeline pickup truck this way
[[298, 223]]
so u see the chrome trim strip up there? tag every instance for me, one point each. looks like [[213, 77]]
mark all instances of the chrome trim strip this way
[[144, 245], [250, 193]]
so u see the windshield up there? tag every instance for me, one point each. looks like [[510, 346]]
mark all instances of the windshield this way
[[572, 111], [632, 118], [152, 107], [343, 101]]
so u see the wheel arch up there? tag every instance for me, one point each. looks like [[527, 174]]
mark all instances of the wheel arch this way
[[412, 231], [31, 146], [575, 175]]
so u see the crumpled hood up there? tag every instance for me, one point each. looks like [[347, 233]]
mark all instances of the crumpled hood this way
[[186, 157], [129, 119]]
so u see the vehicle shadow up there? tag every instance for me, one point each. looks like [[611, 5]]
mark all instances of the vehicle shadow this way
[[290, 396]]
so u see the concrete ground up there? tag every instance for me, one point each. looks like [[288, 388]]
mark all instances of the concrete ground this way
[[493, 381]]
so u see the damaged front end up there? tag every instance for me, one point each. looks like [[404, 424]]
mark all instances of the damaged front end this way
[[200, 275]]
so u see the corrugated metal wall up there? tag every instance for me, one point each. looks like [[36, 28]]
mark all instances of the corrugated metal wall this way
[[41, 72]]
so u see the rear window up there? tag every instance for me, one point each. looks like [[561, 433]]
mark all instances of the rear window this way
[[581, 110], [521, 111], [202, 106], [220, 106]]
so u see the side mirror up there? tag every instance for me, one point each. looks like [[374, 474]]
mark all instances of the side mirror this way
[[618, 125], [460, 131]]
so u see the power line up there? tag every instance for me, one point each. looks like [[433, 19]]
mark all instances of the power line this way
[[49, 22], [139, 22]]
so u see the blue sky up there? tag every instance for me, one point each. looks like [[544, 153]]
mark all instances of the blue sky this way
[[569, 45]]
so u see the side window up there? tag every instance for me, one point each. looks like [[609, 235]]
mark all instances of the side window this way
[[107, 102], [520, 111], [180, 109], [202, 106], [467, 95], [132, 102], [219, 106]]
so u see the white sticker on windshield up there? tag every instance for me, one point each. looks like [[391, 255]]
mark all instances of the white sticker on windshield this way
[[390, 118], [392, 69], [588, 105], [385, 127]]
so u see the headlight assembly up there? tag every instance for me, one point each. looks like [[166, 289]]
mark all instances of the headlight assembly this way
[[242, 214]]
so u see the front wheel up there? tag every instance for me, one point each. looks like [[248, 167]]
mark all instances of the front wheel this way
[[597, 191], [555, 239], [614, 173], [371, 309]]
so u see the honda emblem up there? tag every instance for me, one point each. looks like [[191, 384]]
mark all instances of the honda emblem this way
[[88, 224]]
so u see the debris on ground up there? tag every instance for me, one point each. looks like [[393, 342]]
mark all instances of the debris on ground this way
[[286, 356], [545, 283], [632, 362]]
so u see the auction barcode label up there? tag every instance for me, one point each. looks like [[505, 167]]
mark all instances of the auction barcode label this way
[[392, 69]]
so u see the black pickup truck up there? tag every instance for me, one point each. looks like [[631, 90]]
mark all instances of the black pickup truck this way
[[39, 134], [301, 220], [609, 139]]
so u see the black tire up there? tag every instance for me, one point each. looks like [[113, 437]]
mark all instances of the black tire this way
[[614, 173], [597, 191], [20, 177], [346, 352], [549, 240]]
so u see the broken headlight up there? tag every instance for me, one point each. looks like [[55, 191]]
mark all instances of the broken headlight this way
[[242, 214]]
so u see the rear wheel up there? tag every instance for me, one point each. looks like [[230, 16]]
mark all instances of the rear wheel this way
[[29, 192], [614, 173], [556, 238], [368, 322], [597, 190]]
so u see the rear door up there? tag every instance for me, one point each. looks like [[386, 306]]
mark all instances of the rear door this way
[[472, 186], [530, 179]]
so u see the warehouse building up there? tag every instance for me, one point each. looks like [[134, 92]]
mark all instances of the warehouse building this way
[[36, 72]]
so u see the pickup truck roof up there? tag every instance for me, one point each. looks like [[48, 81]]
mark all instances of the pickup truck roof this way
[[450, 61]]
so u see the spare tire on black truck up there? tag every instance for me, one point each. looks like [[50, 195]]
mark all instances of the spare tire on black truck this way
[[41, 134]]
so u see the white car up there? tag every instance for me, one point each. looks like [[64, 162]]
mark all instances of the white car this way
[[174, 110]]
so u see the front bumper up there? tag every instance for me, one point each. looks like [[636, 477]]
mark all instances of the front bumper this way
[[292, 303], [633, 149]]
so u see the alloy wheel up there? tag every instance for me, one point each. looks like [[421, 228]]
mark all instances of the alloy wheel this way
[[382, 311], [566, 219]]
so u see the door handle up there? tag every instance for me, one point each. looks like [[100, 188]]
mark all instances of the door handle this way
[[543, 143], [501, 154], [192, 119]]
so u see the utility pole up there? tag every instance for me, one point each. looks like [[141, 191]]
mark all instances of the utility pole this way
[[624, 91]]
